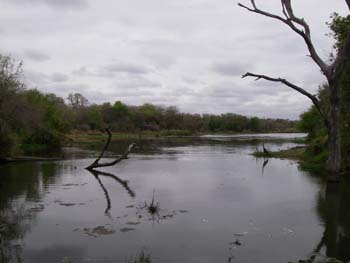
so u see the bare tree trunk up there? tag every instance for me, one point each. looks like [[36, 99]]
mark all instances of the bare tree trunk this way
[[334, 142], [332, 71]]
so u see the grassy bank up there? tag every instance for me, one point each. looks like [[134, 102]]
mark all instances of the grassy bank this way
[[311, 157], [93, 137], [295, 153]]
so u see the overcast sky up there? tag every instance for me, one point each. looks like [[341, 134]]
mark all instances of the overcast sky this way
[[187, 53]]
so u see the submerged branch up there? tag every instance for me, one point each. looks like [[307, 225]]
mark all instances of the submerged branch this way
[[97, 163]]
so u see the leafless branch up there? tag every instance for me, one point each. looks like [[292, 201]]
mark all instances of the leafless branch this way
[[293, 22], [348, 3], [97, 163], [313, 98]]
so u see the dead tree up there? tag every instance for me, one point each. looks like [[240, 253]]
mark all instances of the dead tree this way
[[97, 164], [332, 71]]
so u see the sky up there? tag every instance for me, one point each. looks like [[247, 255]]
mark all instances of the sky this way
[[185, 53]]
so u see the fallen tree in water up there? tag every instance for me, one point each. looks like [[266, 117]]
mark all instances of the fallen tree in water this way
[[97, 164]]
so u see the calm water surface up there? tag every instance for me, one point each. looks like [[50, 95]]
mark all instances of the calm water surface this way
[[217, 203]]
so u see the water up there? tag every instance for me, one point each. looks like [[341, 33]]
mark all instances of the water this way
[[217, 203]]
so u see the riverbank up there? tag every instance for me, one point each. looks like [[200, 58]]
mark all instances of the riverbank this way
[[301, 154], [295, 153], [92, 137]]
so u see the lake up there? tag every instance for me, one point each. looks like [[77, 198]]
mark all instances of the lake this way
[[216, 203]]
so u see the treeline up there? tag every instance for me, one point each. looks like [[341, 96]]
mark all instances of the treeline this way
[[311, 121], [148, 117], [32, 120]]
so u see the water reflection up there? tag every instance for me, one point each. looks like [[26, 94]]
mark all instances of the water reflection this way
[[17, 194], [124, 183], [266, 161], [218, 182], [333, 209]]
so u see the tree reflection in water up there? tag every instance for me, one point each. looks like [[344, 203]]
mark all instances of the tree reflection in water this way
[[333, 209], [22, 186], [124, 183]]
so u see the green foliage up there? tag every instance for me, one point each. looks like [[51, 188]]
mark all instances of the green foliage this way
[[6, 142], [339, 28], [120, 109], [94, 118], [311, 123], [41, 140], [10, 87]]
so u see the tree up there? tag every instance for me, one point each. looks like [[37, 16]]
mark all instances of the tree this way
[[94, 117], [333, 72], [10, 87], [77, 100]]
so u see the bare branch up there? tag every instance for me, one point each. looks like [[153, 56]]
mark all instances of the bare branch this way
[[261, 12], [348, 3], [313, 98], [292, 21], [96, 163], [108, 131], [290, 14]]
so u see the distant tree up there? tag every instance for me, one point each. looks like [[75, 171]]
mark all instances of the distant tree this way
[[254, 124], [94, 117], [77, 100], [10, 108], [332, 71], [120, 109], [46, 121], [172, 119]]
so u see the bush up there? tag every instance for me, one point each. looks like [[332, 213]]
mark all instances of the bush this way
[[40, 140]]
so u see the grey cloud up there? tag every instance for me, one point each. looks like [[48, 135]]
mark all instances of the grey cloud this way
[[111, 70], [34, 78], [161, 61], [82, 71], [230, 68], [121, 67], [231, 89], [191, 57], [64, 89], [66, 4], [137, 83], [36, 55], [59, 77]]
